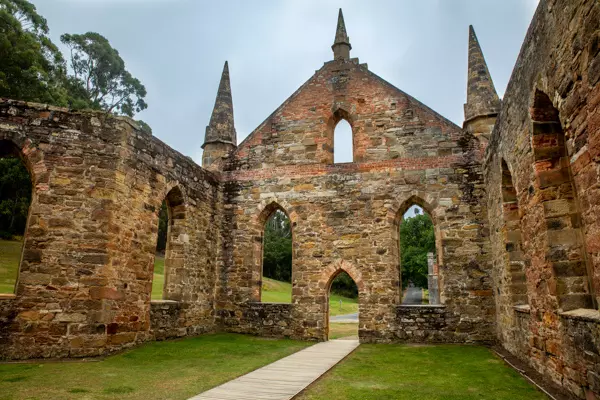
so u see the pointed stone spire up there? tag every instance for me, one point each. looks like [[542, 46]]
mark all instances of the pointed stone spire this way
[[220, 136], [341, 46], [482, 99], [221, 127]]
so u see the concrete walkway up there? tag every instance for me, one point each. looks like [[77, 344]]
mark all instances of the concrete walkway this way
[[345, 319], [285, 378], [414, 295]]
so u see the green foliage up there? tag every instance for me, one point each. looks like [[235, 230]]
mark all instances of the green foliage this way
[[100, 71], [277, 248], [31, 66], [343, 285], [144, 126], [15, 196], [163, 228], [416, 240]]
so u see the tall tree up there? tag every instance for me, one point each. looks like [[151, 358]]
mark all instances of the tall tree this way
[[100, 80], [416, 240], [277, 249], [31, 66]]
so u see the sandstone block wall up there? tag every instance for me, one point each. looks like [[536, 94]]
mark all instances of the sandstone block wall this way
[[547, 134], [85, 278], [517, 232], [387, 123], [264, 319], [347, 216], [433, 324]]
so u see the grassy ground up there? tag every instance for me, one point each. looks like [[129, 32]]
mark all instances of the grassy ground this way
[[398, 372], [10, 256], [161, 370], [338, 330], [276, 291], [281, 292], [158, 281]]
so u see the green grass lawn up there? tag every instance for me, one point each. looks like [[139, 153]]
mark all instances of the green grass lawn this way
[[10, 256], [158, 281], [281, 292], [175, 369], [276, 291], [449, 372], [343, 330]]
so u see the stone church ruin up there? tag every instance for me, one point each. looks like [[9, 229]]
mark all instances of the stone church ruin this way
[[513, 194]]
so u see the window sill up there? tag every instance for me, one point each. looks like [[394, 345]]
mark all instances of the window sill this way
[[422, 306], [7, 296], [583, 314], [522, 308], [163, 302]]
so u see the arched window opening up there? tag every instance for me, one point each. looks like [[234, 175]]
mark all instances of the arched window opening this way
[[343, 307], [566, 251], [343, 151], [512, 239], [277, 259], [418, 261], [158, 278], [15, 199], [169, 245]]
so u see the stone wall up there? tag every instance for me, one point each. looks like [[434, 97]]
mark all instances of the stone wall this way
[[547, 134], [433, 324], [386, 123], [346, 216], [85, 278], [264, 319]]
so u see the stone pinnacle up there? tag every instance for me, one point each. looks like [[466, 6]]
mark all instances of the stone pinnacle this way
[[482, 99], [341, 46], [221, 126]]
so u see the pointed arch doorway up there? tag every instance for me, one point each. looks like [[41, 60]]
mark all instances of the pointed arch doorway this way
[[343, 285]]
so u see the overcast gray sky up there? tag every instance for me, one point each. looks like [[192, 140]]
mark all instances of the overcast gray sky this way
[[177, 49]]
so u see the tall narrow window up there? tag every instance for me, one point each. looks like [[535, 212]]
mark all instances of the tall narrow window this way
[[342, 142], [15, 198], [343, 307], [566, 249], [512, 238], [170, 246], [419, 269], [277, 259], [158, 279]]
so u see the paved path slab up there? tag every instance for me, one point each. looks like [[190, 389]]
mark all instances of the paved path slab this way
[[345, 319], [285, 378], [414, 295]]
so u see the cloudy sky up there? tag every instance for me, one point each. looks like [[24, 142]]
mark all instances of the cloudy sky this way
[[177, 49]]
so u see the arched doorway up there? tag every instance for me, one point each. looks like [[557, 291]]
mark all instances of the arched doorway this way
[[342, 312], [344, 290]]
